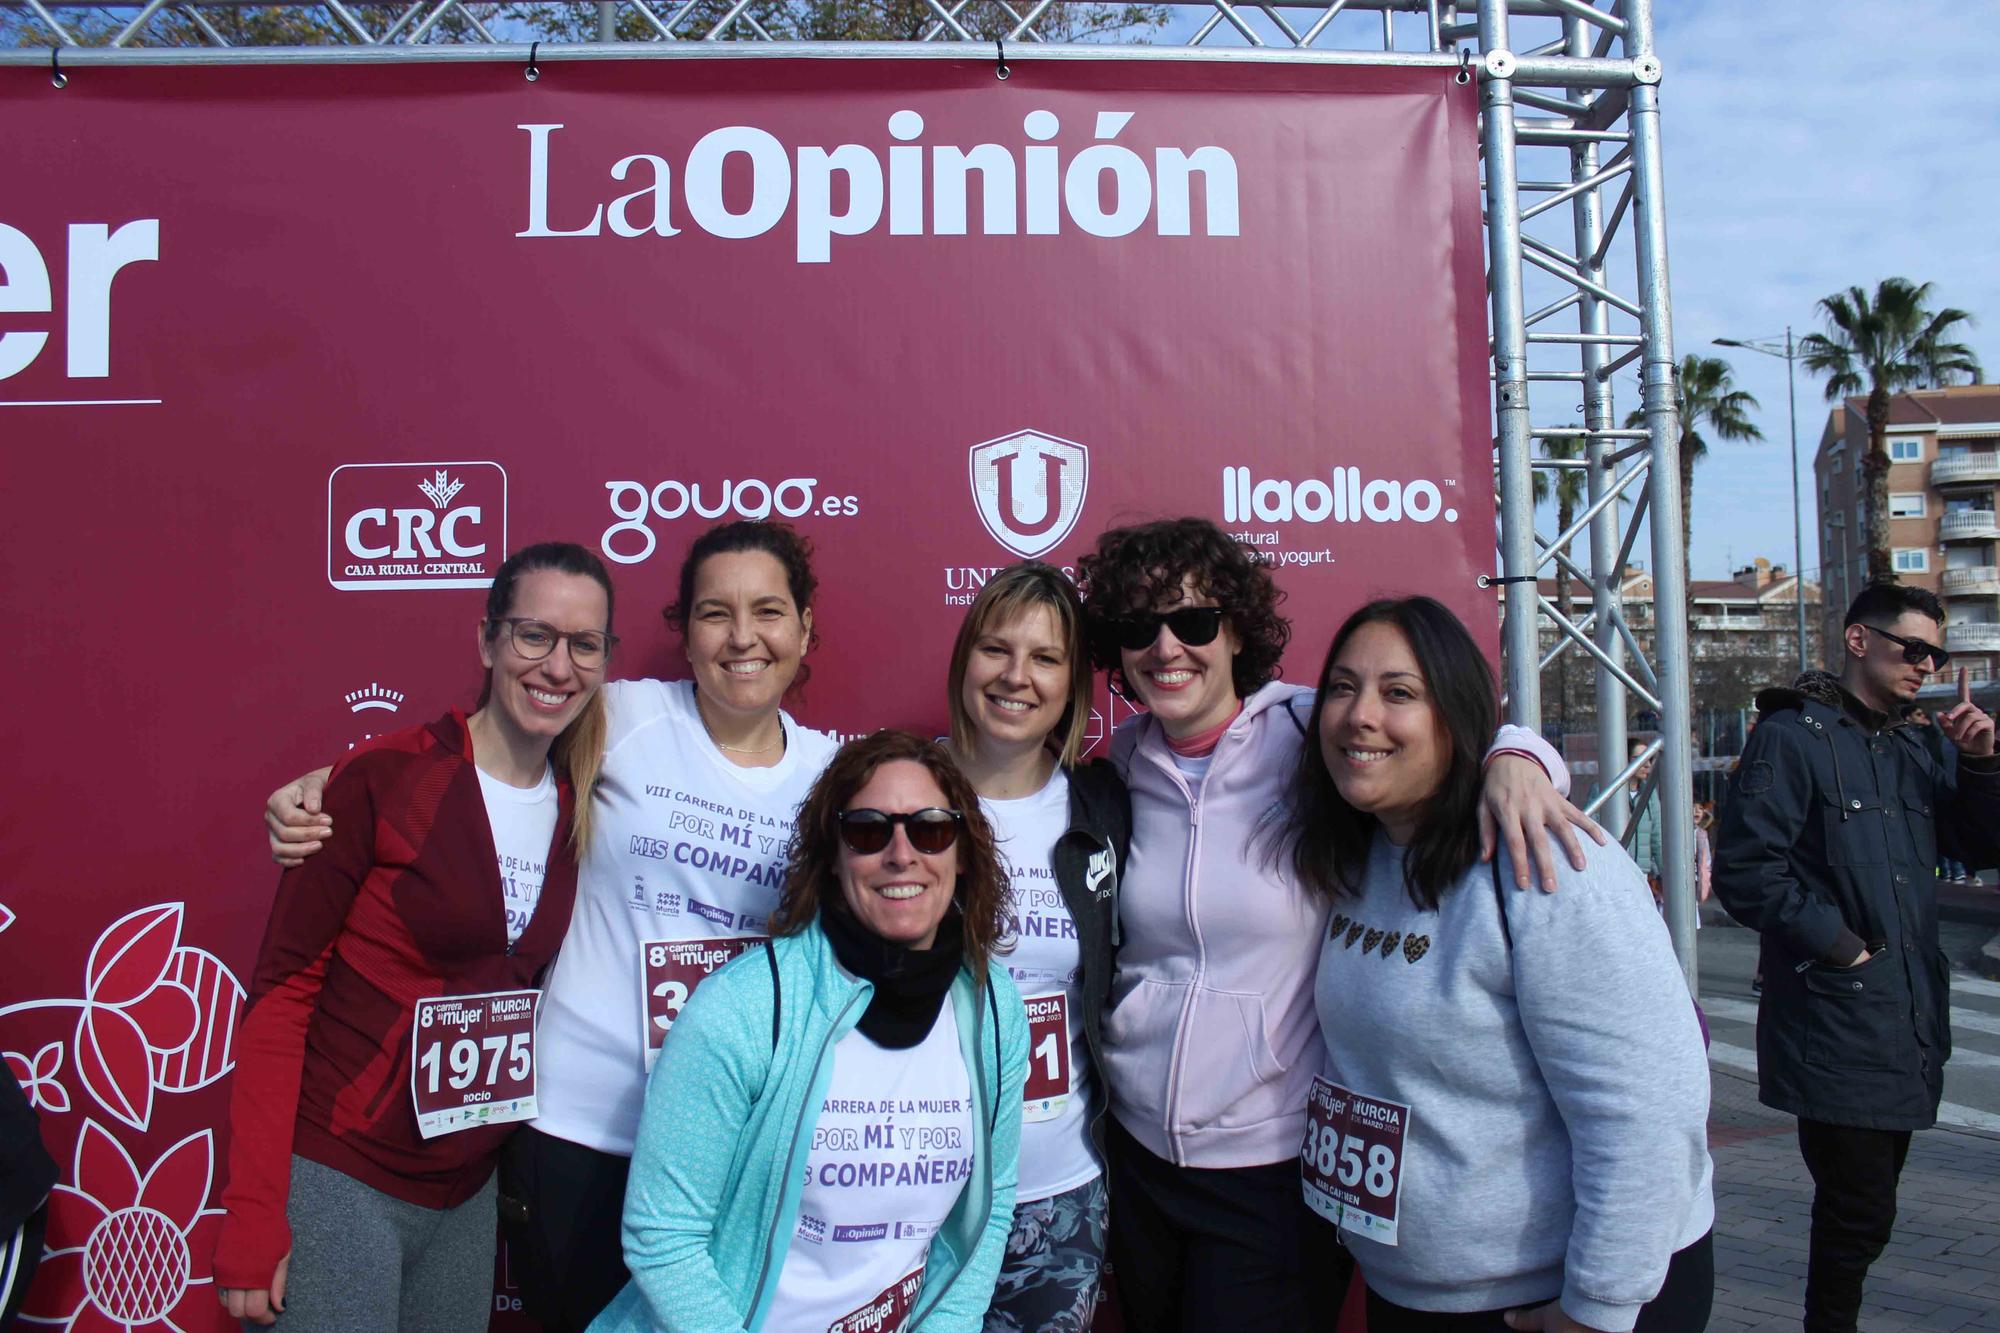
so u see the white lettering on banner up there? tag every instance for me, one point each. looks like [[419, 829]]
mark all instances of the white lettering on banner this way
[[806, 182], [96, 254], [1344, 499], [632, 503], [449, 531]]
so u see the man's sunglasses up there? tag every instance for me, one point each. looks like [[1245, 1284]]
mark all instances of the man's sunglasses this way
[[1192, 625], [1914, 650], [930, 830]]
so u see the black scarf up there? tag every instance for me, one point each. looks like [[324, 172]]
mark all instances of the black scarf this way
[[910, 984]]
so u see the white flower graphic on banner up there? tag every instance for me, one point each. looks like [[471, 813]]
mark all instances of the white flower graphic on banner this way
[[126, 1252], [37, 1077]]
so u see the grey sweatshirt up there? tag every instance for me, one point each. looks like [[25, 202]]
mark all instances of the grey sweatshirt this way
[[1558, 1088]]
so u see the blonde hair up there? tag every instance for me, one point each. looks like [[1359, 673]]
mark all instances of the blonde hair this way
[[1013, 592]]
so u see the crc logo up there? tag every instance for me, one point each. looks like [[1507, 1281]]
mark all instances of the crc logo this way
[[415, 525], [1028, 488]]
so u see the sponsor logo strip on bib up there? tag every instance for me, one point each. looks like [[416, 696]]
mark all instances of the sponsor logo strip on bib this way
[[1351, 1163], [669, 971], [472, 1061], [886, 1313], [1047, 1089]]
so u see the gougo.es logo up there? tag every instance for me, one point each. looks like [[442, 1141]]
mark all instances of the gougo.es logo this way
[[635, 505]]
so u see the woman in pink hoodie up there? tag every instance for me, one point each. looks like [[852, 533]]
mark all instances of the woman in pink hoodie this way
[[1212, 1042]]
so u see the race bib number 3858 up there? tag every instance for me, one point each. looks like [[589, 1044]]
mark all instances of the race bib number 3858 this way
[[1352, 1160], [472, 1061]]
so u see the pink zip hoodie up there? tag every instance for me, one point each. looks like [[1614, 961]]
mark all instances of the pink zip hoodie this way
[[1212, 1041]]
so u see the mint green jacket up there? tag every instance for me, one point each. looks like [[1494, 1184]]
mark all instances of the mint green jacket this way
[[714, 1192]]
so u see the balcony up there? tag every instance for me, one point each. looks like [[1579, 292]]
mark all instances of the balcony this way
[[1969, 525], [1977, 581], [1972, 638], [1974, 465]]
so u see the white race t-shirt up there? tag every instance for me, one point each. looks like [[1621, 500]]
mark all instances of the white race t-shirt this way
[[524, 824], [1047, 963], [891, 1152], [685, 846]]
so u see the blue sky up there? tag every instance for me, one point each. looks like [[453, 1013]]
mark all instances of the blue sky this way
[[1810, 145]]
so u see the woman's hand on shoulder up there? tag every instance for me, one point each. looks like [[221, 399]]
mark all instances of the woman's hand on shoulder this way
[[1518, 804], [294, 821], [257, 1305], [1547, 1319]]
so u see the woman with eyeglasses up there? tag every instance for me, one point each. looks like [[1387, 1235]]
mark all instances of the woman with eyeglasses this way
[[700, 781], [1019, 692], [1512, 1129], [371, 1098], [829, 1141], [1211, 1045]]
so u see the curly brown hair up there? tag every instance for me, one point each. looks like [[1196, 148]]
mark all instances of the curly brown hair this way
[[1144, 567], [812, 865]]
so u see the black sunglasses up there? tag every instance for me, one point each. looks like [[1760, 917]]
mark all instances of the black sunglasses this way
[[930, 830], [1192, 625], [1914, 650]]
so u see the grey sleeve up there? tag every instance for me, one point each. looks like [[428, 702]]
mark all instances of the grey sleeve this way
[[1614, 1034]]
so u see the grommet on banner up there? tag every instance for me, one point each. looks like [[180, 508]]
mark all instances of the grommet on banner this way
[[1464, 66], [1000, 70], [56, 76], [531, 73]]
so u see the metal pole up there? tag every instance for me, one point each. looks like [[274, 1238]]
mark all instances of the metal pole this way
[[1599, 413], [1662, 412], [1798, 519], [607, 21], [1510, 369]]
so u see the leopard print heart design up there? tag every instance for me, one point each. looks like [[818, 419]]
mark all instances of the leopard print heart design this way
[[1353, 934], [1339, 924], [1415, 947], [1370, 940], [1390, 941]]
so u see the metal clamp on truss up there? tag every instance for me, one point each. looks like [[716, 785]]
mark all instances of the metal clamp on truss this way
[[1499, 580], [1000, 70], [533, 71]]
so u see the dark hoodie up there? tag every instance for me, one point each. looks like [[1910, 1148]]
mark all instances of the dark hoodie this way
[[1829, 844]]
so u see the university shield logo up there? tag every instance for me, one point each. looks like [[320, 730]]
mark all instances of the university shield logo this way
[[1028, 488]]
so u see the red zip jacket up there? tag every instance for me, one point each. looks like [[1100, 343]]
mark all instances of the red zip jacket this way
[[404, 902]]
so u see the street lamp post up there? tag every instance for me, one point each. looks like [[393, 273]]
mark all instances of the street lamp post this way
[[1768, 346]]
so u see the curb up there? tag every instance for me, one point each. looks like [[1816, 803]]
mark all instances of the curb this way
[[1988, 961]]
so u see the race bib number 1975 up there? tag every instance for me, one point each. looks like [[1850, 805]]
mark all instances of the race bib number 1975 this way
[[1352, 1160], [472, 1061]]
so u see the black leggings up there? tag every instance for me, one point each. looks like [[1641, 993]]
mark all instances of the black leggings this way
[[1681, 1307], [560, 1209], [1198, 1250]]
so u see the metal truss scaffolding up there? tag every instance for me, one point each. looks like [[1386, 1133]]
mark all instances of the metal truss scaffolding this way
[[1570, 115]]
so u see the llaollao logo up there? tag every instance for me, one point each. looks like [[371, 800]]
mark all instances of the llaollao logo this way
[[1029, 489]]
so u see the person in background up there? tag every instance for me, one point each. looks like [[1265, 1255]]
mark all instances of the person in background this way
[[829, 1140], [1210, 1046], [1945, 755], [1534, 1152], [1829, 849], [449, 871], [1645, 816]]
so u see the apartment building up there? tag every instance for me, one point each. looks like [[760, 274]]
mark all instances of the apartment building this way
[[1944, 534]]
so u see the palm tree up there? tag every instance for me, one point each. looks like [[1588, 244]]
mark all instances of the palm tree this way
[[1708, 397], [1882, 345]]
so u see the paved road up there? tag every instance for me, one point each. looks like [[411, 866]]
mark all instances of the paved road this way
[[1942, 1270]]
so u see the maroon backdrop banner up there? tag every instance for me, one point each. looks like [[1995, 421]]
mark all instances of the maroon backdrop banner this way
[[291, 357]]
